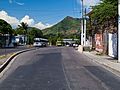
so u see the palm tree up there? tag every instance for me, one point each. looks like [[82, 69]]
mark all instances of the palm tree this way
[[24, 26]]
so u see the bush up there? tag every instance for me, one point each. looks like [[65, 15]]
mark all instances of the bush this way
[[86, 48]]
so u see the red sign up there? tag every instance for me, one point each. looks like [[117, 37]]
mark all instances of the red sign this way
[[99, 42]]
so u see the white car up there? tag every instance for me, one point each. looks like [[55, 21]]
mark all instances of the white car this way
[[37, 44], [75, 45]]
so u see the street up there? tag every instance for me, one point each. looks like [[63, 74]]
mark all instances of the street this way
[[57, 68]]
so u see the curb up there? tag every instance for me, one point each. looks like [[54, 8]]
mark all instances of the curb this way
[[4, 65]]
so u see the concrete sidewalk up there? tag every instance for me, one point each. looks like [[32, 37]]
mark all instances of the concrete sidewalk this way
[[104, 60]]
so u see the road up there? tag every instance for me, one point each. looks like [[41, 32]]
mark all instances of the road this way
[[58, 68], [11, 50]]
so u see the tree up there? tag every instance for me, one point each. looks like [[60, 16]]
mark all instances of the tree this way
[[5, 28], [103, 19], [20, 31], [105, 14], [34, 33], [24, 26]]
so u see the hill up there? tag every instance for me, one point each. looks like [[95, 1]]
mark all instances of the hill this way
[[68, 26]]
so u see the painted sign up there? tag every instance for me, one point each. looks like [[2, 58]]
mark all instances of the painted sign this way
[[99, 42]]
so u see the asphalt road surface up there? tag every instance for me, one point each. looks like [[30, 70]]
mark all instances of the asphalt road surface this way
[[57, 68]]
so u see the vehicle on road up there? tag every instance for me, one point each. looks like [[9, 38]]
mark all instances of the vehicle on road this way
[[40, 42]]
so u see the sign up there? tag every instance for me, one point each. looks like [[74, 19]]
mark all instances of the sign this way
[[99, 42]]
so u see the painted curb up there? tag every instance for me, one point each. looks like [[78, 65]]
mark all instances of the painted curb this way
[[4, 65]]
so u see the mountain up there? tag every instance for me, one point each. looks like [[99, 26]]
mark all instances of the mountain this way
[[68, 26]]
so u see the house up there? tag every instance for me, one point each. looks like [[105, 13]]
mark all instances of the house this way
[[6, 40], [21, 39]]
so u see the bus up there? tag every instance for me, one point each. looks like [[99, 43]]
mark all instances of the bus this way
[[40, 42]]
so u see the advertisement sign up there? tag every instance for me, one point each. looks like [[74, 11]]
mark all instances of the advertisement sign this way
[[99, 42]]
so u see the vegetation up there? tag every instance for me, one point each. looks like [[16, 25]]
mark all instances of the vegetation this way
[[30, 32], [104, 20], [34, 33], [23, 26], [105, 16], [5, 28], [23, 29], [67, 28]]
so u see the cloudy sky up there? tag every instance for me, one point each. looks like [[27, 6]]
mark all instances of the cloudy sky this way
[[40, 13]]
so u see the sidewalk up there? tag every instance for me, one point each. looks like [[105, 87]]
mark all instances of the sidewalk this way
[[104, 60]]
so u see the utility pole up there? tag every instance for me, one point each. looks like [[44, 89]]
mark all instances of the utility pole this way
[[84, 31], [83, 26], [119, 31], [82, 22]]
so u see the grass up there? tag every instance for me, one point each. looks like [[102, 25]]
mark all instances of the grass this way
[[99, 53], [5, 56]]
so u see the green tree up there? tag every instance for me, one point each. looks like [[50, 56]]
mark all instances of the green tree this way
[[24, 26], [5, 28], [20, 31], [34, 33], [105, 14], [103, 19]]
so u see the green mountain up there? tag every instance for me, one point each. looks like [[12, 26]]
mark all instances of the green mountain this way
[[68, 26]]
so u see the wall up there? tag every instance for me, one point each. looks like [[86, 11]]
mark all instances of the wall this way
[[112, 45]]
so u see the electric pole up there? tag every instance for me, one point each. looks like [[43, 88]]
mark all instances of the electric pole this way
[[84, 31], [83, 25], [82, 22]]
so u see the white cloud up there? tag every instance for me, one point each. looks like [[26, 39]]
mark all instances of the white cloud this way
[[88, 3], [14, 22], [11, 20], [14, 1], [28, 20], [41, 26], [91, 2], [19, 3]]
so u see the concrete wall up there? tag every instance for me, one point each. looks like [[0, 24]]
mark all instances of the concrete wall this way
[[112, 45]]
